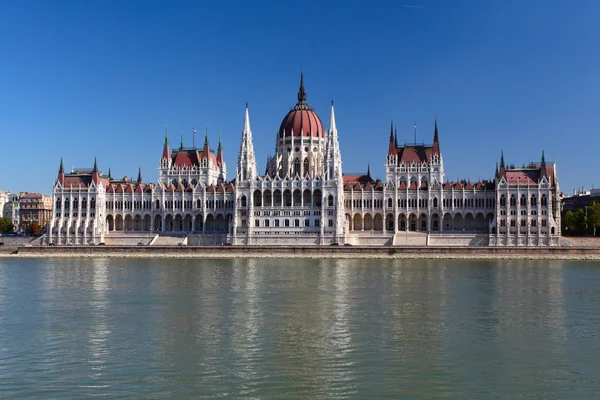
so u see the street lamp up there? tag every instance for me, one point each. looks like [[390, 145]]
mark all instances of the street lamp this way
[[586, 220]]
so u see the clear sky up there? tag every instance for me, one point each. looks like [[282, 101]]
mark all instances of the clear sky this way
[[80, 79]]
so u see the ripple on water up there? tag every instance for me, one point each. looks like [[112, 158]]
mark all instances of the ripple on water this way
[[319, 329]]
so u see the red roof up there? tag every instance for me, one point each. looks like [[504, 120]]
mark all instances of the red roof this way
[[193, 157], [302, 121], [414, 153], [530, 175]]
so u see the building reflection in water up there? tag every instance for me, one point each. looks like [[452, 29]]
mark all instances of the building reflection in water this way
[[98, 305]]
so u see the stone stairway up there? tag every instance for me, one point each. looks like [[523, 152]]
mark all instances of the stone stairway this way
[[410, 239], [163, 240]]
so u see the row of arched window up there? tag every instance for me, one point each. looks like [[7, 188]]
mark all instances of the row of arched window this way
[[66, 203], [523, 201]]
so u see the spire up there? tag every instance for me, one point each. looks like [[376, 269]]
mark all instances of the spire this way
[[220, 153], [181, 144], [333, 159], [166, 152], [396, 137], [109, 174], [369, 170], [543, 159], [332, 126], [393, 141], [497, 174], [95, 170], [247, 120], [139, 178], [61, 169], [301, 92], [246, 167], [436, 139], [502, 160], [206, 137]]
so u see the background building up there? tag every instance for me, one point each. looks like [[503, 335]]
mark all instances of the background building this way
[[34, 208]]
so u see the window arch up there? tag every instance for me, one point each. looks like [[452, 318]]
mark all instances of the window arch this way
[[544, 201], [305, 170], [296, 167], [523, 201], [513, 200], [390, 203], [502, 201], [533, 200], [243, 201], [257, 201], [330, 201], [435, 202]]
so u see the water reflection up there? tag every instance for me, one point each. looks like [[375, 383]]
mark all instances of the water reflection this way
[[99, 331], [316, 329]]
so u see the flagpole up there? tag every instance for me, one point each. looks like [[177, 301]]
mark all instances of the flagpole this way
[[194, 137], [415, 132]]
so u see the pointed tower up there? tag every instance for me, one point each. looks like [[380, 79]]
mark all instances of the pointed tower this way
[[543, 159], [333, 157], [543, 172], [334, 179], [436, 139], [301, 91], [246, 161], [219, 153], [502, 171], [166, 155], [95, 173], [206, 147], [392, 144], [139, 178], [61, 172], [109, 174], [497, 174], [221, 163]]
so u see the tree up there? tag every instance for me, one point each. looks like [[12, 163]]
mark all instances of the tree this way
[[569, 222], [593, 217], [6, 225], [34, 228]]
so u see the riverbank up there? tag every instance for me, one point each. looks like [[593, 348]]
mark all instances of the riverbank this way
[[547, 253]]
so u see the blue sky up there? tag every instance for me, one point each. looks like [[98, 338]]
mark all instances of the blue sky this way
[[80, 79]]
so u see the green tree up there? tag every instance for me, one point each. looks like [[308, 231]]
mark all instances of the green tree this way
[[6, 225], [593, 217], [569, 221], [580, 221]]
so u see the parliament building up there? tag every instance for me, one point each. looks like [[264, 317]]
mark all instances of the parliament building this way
[[304, 198]]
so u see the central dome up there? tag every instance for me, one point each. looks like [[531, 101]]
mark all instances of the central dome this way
[[302, 120]]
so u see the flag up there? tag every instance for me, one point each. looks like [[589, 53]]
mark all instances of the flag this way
[[193, 129]]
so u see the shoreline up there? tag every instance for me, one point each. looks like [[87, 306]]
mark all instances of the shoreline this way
[[306, 252]]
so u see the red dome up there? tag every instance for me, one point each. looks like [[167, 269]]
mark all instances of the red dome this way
[[302, 120]]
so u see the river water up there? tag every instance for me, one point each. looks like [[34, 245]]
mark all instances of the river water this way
[[289, 329]]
